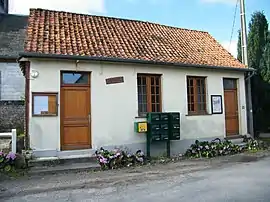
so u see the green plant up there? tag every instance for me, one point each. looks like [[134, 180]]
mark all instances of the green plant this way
[[251, 144], [118, 158], [212, 149], [7, 161]]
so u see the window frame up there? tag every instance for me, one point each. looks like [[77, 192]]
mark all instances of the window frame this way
[[148, 95], [45, 94], [195, 92], [74, 84]]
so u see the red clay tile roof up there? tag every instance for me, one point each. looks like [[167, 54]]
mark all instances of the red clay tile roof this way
[[64, 33]]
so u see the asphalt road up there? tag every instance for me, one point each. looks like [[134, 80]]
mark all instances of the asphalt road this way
[[244, 182]]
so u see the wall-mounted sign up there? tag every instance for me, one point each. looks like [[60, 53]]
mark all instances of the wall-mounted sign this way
[[114, 80], [216, 104]]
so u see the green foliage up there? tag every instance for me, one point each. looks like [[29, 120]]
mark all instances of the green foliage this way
[[217, 147], [257, 38], [118, 158], [7, 162], [212, 149], [265, 62], [239, 47]]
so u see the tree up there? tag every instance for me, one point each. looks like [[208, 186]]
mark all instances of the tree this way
[[257, 38], [265, 61], [258, 58], [239, 47]]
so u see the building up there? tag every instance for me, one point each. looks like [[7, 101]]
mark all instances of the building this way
[[12, 34], [89, 78]]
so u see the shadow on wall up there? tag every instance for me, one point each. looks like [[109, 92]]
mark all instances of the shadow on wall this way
[[12, 116]]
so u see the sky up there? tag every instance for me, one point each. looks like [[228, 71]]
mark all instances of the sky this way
[[213, 16]]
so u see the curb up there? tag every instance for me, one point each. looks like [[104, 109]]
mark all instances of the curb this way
[[55, 170]]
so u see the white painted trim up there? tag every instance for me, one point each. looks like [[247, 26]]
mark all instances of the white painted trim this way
[[13, 135]]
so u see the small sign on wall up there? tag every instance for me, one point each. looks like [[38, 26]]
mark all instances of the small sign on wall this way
[[115, 80], [216, 104]]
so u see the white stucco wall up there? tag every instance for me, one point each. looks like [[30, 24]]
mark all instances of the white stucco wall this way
[[114, 107], [11, 81]]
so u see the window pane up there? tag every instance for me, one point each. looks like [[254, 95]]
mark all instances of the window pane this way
[[157, 81], [229, 84], [153, 99], [153, 108], [143, 81], [44, 104], [157, 98], [152, 80], [157, 89], [190, 82], [158, 108], [75, 78], [139, 81], [153, 90]]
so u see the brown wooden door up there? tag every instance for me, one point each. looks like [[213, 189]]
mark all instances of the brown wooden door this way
[[231, 107], [75, 112]]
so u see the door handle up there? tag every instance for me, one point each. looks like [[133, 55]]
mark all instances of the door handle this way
[[89, 117]]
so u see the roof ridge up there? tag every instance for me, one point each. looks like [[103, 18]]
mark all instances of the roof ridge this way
[[118, 18]]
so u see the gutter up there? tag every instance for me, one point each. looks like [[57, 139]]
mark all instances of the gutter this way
[[137, 61], [3, 57]]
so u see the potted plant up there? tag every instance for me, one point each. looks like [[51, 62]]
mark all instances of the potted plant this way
[[27, 153]]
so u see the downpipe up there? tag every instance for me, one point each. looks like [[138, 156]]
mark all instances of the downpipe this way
[[249, 104]]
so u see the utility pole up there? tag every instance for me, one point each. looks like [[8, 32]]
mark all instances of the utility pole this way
[[245, 61]]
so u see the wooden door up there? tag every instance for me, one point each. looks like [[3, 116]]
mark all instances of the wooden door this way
[[75, 111], [231, 107]]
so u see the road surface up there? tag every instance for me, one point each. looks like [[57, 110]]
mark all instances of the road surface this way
[[239, 182]]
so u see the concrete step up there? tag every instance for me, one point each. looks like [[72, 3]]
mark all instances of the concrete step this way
[[237, 141], [63, 168], [53, 161]]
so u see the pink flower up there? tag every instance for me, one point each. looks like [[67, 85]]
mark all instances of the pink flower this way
[[103, 160], [11, 156]]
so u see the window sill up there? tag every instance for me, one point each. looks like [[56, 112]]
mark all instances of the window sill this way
[[140, 117], [202, 114], [44, 115]]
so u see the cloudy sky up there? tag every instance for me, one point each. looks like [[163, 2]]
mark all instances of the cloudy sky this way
[[213, 16]]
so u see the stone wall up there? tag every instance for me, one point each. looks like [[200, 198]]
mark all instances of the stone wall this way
[[12, 116], [11, 81]]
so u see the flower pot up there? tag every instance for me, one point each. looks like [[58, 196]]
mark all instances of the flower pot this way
[[28, 154]]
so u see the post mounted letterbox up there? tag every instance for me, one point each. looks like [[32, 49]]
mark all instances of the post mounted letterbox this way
[[164, 117], [175, 126], [155, 127], [175, 135], [153, 117], [164, 126], [155, 136], [175, 117]]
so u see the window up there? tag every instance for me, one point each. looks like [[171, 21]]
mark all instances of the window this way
[[79, 78], [196, 95], [44, 104], [229, 84], [149, 93]]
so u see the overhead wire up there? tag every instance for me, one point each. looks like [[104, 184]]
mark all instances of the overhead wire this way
[[233, 24]]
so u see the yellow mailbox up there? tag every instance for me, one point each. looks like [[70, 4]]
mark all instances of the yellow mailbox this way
[[140, 127]]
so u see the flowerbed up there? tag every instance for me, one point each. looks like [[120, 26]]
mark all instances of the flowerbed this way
[[221, 148], [118, 158], [7, 161]]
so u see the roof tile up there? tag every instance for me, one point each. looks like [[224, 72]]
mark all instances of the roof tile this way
[[64, 33]]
